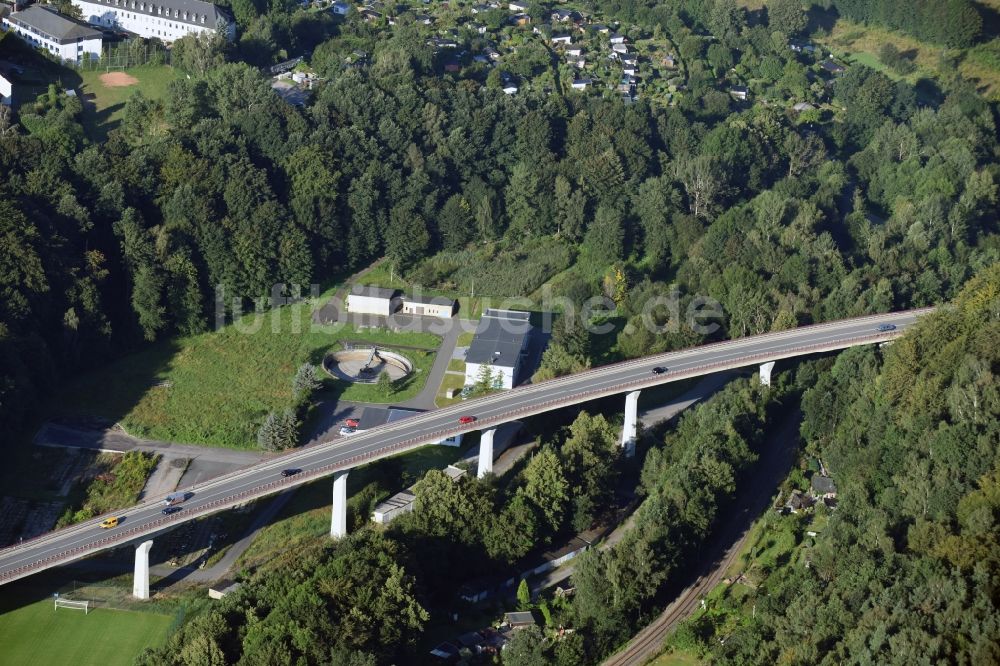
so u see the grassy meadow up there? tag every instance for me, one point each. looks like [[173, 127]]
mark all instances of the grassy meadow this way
[[36, 634], [215, 388]]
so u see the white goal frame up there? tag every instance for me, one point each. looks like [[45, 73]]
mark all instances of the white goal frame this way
[[75, 604]]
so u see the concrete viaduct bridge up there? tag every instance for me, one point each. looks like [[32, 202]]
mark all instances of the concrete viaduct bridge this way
[[141, 522]]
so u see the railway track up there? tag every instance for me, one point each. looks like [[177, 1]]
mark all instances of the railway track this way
[[648, 642], [776, 458]]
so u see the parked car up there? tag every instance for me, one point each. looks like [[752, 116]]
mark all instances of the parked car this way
[[467, 419], [352, 423], [347, 430], [171, 509], [886, 327], [108, 523], [290, 472], [659, 370]]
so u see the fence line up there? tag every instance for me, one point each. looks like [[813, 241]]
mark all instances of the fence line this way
[[130, 53]]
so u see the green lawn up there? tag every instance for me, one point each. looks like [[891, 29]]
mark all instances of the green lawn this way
[[862, 43], [449, 382], [105, 112], [871, 60], [215, 388], [35, 634], [385, 275]]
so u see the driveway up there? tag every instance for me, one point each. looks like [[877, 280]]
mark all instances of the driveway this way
[[425, 399], [115, 440], [181, 465], [702, 390], [220, 569]]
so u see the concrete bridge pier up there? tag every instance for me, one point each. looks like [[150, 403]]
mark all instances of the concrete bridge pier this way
[[140, 579], [338, 521], [630, 430], [765, 373], [486, 452]]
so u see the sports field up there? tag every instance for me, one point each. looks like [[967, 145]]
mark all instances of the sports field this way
[[35, 634], [105, 94]]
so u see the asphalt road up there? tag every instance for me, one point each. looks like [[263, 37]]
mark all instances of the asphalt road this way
[[264, 478]]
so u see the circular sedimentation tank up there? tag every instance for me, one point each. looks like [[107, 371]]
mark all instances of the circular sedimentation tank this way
[[364, 367]]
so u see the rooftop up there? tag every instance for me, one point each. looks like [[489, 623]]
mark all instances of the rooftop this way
[[430, 300], [373, 292], [54, 26], [499, 338], [823, 485], [374, 417], [398, 501], [519, 618], [194, 12]]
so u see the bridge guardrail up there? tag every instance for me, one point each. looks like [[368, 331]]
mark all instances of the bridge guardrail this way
[[352, 461], [291, 457]]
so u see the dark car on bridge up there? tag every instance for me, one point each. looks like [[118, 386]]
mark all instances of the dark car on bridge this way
[[659, 370], [290, 472], [171, 509], [886, 327]]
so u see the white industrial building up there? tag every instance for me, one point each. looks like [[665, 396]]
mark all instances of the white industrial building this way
[[430, 306], [166, 20], [395, 506], [500, 344], [62, 37], [373, 300]]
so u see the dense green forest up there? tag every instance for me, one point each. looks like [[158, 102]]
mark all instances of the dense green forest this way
[[333, 594], [224, 189], [224, 184], [907, 569]]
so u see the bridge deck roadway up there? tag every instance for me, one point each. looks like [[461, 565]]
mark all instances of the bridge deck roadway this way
[[264, 478]]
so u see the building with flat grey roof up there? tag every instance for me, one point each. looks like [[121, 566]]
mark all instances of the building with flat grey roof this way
[[499, 344], [405, 501]]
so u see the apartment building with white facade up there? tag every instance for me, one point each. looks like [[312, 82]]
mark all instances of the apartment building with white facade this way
[[47, 29], [165, 20]]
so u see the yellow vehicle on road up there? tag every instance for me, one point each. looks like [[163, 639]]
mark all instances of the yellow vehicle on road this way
[[108, 523]]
